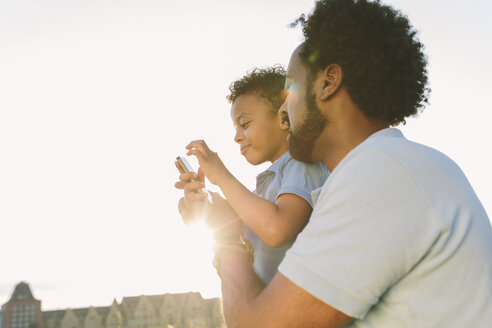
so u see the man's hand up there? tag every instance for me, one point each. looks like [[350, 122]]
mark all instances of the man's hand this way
[[222, 219], [210, 162], [194, 204], [218, 215]]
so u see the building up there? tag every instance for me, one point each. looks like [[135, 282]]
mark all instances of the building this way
[[22, 310], [1, 315], [186, 310]]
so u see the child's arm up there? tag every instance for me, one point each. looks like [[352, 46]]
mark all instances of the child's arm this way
[[275, 223]]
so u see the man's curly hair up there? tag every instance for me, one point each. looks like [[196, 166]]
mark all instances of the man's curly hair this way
[[267, 83], [383, 61]]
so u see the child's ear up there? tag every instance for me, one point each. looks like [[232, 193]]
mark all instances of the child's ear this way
[[283, 121]]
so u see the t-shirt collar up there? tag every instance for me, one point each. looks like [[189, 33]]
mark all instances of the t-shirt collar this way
[[388, 132], [275, 165]]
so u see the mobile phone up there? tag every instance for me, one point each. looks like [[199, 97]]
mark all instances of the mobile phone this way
[[186, 167], [183, 163]]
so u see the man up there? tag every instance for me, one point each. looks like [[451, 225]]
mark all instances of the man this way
[[397, 237]]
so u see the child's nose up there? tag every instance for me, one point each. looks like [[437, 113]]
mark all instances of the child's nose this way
[[239, 136]]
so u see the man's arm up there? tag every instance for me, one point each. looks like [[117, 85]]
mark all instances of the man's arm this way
[[248, 302]]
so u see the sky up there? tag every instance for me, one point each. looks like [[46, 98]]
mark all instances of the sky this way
[[97, 98]]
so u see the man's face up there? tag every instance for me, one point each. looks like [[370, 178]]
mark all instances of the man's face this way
[[306, 120]]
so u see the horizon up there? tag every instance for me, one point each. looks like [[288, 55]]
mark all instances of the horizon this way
[[102, 306]]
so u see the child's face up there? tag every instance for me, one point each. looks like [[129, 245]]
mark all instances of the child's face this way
[[259, 129]]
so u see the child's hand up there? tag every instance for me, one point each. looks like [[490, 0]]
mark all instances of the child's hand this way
[[210, 163]]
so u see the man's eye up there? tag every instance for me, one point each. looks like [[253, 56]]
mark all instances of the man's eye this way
[[293, 88]]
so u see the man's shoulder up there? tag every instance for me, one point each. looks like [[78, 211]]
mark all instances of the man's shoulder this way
[[389, 148], [396, 166]]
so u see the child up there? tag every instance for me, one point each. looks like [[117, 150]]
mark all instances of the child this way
[[280, 206]]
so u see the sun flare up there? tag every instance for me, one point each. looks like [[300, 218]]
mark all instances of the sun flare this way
[[200, 235]]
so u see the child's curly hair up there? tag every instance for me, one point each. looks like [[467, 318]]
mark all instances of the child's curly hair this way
[[267, 83]]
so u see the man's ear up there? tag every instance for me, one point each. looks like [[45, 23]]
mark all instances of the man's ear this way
[[329, 81]]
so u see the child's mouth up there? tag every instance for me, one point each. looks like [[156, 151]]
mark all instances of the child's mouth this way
[[243, 149]]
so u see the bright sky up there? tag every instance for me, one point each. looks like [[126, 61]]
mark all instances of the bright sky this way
[[97, 98]]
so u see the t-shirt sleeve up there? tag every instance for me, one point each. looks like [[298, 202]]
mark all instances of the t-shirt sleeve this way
[[369, 228], [300, 179]]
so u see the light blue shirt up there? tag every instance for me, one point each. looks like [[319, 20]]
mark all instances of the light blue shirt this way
[[285, 176]]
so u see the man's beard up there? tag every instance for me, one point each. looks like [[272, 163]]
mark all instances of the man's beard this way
[[301, 143]]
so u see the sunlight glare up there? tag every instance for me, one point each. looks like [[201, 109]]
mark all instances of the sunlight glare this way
[[200, 235]]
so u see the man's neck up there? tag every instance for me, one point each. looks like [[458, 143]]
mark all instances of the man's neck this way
[[341, 138], [339, 153]]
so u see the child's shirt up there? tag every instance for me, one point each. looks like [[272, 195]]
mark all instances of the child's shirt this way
[[285, 176]]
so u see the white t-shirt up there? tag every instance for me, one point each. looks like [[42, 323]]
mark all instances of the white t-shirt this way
[[397, 238]]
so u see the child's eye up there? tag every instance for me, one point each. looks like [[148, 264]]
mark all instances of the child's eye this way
[[244, 125]]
